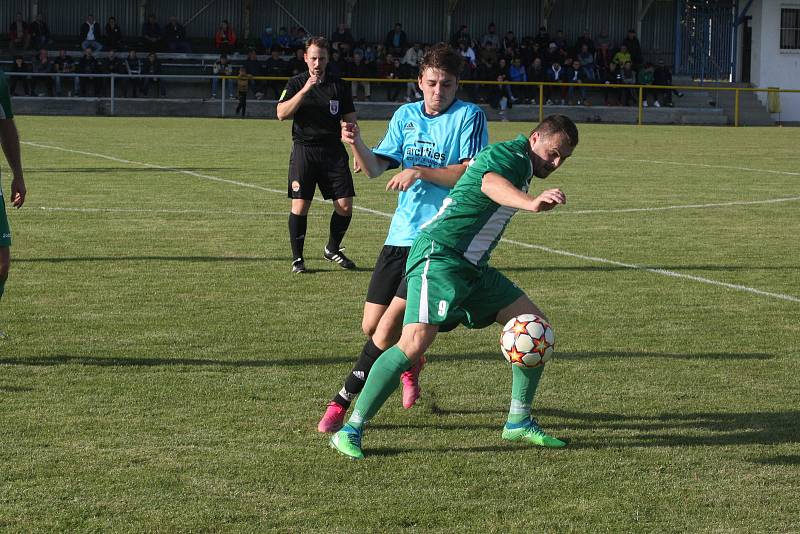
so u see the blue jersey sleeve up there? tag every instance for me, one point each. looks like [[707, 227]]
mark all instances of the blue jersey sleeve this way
[[391, 146], [474, 135]]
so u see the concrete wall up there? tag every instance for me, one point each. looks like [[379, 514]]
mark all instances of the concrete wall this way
[[770, 66]]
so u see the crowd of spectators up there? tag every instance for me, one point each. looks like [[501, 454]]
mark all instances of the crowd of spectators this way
[[491, 57]]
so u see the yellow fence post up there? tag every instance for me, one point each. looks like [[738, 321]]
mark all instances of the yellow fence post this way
[[541, 102], [736, 110], [641, 92]]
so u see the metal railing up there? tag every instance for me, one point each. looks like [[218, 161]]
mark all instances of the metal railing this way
[[640, 88]]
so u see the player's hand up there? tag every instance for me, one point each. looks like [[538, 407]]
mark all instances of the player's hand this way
[[18, 192], [313, 80], [403, 180], [356, 167], [549, 199], [350, 132]]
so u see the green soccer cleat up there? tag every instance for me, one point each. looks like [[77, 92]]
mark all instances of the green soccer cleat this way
[[348, 442], [529, 431]]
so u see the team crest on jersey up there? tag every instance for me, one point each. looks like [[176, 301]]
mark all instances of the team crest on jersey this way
[[334, 107], [409, 126]]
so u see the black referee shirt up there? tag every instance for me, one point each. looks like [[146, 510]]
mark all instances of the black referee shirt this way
[[316, 121]]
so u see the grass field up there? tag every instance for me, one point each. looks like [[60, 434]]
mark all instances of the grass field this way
[[165, 371]]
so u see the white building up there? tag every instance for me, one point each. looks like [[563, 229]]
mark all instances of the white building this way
[[775, 57]]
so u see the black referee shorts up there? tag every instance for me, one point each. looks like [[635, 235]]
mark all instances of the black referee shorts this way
[[325, 166], [389, 276]]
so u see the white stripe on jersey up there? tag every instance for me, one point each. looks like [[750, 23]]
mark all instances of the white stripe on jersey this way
[[423, 292], [488, 234]]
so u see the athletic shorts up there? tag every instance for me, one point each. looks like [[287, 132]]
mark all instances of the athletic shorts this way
[[388, 278], [445, 289], [5, 229], [324, 166]]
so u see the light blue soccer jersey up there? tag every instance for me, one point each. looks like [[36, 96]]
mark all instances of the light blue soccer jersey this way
[[415, 138]]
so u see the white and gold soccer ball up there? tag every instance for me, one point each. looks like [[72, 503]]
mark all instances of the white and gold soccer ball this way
[[527, 341]]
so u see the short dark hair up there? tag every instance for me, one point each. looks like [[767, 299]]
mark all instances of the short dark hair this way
[[441, 56], [318, 41], [559, 125]]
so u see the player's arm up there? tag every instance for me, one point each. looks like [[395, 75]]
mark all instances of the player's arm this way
[[366, 160], [9, 138], [443, 176], [499, 189], [288, 108]]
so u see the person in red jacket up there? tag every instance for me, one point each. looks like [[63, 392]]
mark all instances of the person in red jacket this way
[[225, 38]]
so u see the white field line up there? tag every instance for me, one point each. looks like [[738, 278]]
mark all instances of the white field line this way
[[688, 164], [681, 206], [592, 259], [180, 212]]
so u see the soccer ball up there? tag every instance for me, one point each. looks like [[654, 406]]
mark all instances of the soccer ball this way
[[527, 341]]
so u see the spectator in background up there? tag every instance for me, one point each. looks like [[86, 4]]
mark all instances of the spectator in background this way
[[133, 66], [90, 35], [389, 68], [555, 74], [396, 41], [662, 75], [243, 81], [561, 42], [575, 74], [253, 68], [462, 34], [469, 68], [613, 76], [509, 43], [490, 38], [43, 65], [113, 64], [646, 78], [283, 38], [585, 40], [268, 39], [40, 33], [603, 60], [628, 78], [631, 42], [113, 34], [222, 68], [299, 37], [297, 64], [65, 65], [225, 38], [542, 38], [19, 35], [337, 66], [603, 39], [18, 67], [517, 73], [586, 57], [175, 37], [341, 35], [360, 69], [151, 69], [622, 56], [88, 64], [536, 74], [275, 66], [152, 38], [410, 65]]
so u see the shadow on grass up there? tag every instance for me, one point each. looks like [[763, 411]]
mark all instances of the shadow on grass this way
[[583, 355], [782, 459], [14, 389], [110, 361]]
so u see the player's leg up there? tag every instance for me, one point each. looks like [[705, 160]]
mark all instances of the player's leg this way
[[520, 426], [302, 186], [383, 379], [386, 277], [5, 261], [338, 186]]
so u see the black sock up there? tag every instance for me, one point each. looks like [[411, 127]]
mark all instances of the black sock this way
[[354, 382], [297, 234], [339, 225]]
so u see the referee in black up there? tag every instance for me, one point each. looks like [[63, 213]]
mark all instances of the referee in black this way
[[318, 102]]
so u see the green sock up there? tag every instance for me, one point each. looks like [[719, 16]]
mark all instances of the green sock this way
[[524, 381], [383, 379]]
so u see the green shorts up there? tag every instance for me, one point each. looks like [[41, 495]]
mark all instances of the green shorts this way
[[5, 229], [445, 289]]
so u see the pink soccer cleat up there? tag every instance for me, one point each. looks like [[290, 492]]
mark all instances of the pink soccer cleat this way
[[333, 420], [410, 381]]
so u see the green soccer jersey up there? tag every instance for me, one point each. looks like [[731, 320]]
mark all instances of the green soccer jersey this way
[[5, 98], [469, 221]]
